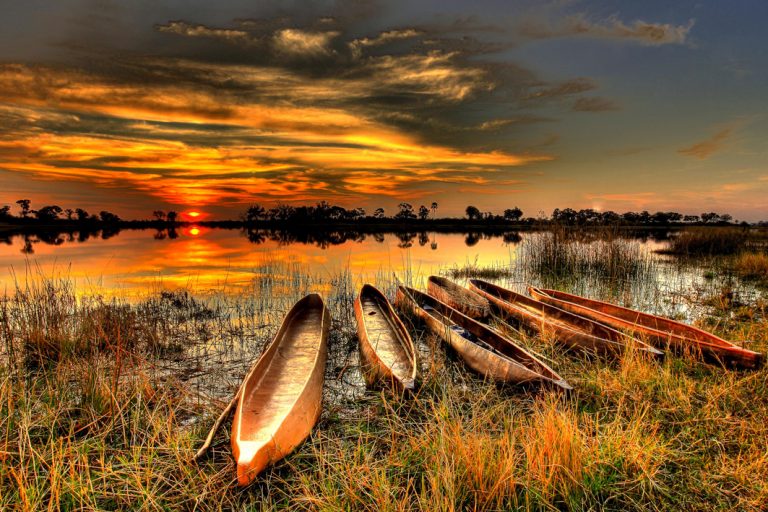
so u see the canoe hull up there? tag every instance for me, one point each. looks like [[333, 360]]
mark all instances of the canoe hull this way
[[459, 298], [573, 331], [662, 332], [479, 359], [264, 434], [375, 364]]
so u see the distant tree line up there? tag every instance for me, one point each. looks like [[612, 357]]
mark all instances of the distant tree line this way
[[589, 216], [54, 213], [326, 213]]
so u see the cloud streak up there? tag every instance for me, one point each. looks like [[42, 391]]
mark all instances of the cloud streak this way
[[706, 148]]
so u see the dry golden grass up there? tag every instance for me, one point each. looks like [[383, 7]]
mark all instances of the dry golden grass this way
[[113, 424]]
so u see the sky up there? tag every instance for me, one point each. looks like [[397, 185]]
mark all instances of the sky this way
[[214, 106]]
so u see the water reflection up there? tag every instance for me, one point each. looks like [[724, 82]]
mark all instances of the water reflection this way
[[131, 262]]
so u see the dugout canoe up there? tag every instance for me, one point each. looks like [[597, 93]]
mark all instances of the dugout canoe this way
[[387, 353], [660, 331], [482, 349], [280, 399], [572, 330], [459, 298]]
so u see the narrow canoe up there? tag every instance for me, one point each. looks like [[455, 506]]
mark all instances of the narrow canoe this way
[[482, 349], [459, 298], [658, 330], [280, 399], [387, 352], [573, 331]]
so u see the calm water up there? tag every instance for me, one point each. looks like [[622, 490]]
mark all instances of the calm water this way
[[132, 263]]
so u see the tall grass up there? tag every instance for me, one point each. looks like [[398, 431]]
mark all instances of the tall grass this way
[[113, 423], [708, 241], [560, 252]]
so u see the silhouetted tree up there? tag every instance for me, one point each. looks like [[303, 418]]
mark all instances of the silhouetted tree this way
[[254, 213], [171, 217], [513, 214], [691, 218], [5, 212], [159, 215], [434, 209], [423, 212], [24, 205], [710, 217], [473, 213], [378, 213], [82, 215], [108, 218], [48, 213], [281, 212], [406, 211]]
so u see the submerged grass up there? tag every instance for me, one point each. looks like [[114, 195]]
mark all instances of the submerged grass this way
[[112, 416]]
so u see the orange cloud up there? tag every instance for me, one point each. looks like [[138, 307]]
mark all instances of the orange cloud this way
[[706, 148]]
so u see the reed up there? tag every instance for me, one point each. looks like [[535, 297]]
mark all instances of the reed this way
[[113, 423], [558, 253], [708, 241]]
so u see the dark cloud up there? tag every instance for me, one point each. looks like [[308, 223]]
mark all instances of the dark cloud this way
[[579, 25]]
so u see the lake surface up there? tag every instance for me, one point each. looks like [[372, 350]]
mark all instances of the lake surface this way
[[133, 264]]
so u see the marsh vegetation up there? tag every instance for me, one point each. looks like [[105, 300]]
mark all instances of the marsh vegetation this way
[[105, 401]]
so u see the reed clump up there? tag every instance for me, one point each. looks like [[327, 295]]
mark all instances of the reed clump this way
[[752, 265], [560, 252], [708, 241]]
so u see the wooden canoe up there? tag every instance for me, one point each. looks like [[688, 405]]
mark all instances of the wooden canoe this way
[[387, 352], [573, 331], [459, 298], [280, 399], [482, 349], [658, 330]]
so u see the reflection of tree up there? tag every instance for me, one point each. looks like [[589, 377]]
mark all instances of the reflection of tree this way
[[379, 237], [160, 234], [255, 236], [433, 245], [27, 248], [512, 238], [472, 239], [406, 239], [423, 238], [172, 234]]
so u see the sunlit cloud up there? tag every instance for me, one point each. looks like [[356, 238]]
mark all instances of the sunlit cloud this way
[[706, 148]]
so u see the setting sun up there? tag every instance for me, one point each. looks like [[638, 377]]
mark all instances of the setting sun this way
[[194, 214]]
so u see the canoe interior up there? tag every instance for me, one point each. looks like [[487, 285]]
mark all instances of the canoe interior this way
[[269, 396], [385, 335]]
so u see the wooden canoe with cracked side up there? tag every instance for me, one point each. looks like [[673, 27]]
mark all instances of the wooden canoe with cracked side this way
[[387, 352], [459, 298], [482, 349], [572, 330], [280, 399], [660, 331]]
